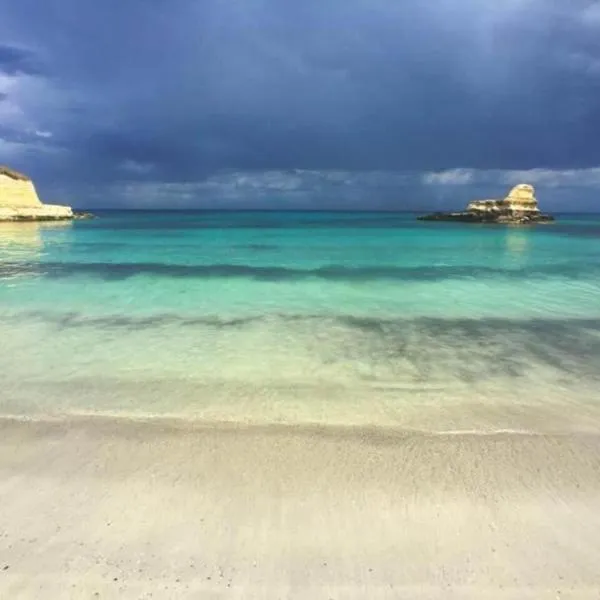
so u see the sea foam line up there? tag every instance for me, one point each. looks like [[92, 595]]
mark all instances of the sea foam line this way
[[176, 421]]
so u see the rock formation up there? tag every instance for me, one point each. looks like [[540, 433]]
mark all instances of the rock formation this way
[[19, 200], [519, 207]]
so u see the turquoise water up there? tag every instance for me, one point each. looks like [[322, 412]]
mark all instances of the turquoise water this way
[[294, 316]]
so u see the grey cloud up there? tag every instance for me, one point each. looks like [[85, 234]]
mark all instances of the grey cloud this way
[[15, 60], [339, 190], [174, 92], [548, 178]]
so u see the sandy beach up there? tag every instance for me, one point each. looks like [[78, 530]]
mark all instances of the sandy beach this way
[[123, 508], [299, 300]]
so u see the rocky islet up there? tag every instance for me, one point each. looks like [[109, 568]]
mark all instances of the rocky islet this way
[[520, 207]]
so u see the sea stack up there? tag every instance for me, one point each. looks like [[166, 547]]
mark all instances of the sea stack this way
[[19, 200], [519, 207]]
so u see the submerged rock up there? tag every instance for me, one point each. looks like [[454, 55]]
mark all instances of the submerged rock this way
[[520, 207], [19, 200]]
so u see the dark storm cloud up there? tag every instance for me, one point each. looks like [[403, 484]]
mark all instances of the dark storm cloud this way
[[15, 60], [176, 91]]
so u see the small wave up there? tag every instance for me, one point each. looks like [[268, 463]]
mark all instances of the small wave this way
[[483, 432], [174, 421], [464, 327], [110, 271]]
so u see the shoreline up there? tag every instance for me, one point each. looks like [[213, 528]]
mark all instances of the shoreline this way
[[174, 424], [482, 409], [100, 507]]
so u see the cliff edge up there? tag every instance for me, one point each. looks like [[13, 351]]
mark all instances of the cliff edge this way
[[519, 207], [19, 200]]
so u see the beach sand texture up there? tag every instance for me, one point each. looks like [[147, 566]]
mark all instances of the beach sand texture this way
[[122, 508]]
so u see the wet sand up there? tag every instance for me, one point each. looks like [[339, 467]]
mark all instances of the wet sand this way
[[123, 508]]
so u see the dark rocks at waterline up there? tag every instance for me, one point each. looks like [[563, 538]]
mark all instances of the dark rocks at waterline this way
[[41, 216], [82, 215], [489, 217]]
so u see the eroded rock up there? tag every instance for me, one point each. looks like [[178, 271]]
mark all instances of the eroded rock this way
[[520, 207]]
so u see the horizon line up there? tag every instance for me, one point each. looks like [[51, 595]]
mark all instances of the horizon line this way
[[293, 210]]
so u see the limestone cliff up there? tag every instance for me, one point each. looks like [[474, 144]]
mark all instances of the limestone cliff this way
[[519, 207], [19, 200], [520, 199]]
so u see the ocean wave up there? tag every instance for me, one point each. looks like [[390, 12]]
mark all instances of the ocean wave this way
[[436, 326], [111, 271], [471, 348]]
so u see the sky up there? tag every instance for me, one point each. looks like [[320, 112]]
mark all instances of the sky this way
[[312, 104]]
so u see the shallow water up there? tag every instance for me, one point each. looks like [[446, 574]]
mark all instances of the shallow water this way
[[294, 317]]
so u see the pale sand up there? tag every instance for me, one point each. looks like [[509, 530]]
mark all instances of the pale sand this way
[[109, 508]]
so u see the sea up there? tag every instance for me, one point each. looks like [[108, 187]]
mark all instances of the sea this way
[[370, 319]]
